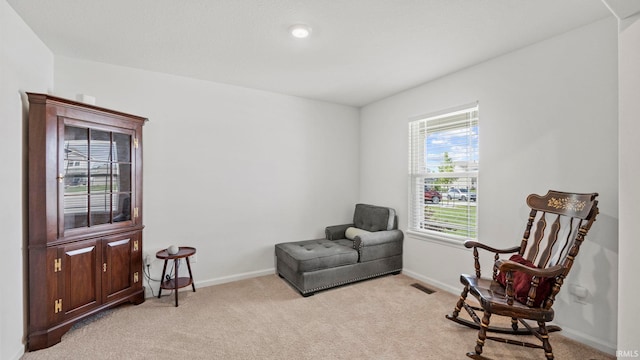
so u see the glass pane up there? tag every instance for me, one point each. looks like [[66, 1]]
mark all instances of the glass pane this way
[[76, 143], [452, 150], [75, 211], [100, 181], [122, 177], [450, 205], [75, 165], [121, 147], [100, 209], [75, 177], [121, 207], [100, 145]]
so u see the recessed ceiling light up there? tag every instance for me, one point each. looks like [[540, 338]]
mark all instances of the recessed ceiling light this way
[[300, 31]]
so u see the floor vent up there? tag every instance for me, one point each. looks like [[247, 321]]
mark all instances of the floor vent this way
[[423, 288]]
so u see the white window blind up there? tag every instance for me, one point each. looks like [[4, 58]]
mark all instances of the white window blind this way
[[443, 173]]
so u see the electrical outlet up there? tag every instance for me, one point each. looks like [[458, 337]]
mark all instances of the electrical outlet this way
[[580, 293], [193, 259], [147, 259]]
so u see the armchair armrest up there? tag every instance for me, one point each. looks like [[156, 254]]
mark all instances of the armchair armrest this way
[[336, 232], [378, 244]]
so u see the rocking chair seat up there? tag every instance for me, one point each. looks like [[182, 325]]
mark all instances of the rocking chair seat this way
[[493, 299]]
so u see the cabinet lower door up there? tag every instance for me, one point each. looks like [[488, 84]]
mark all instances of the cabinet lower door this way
[[81, 276], [120, 276]]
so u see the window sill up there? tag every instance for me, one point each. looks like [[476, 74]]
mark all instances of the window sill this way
[[453, 241]]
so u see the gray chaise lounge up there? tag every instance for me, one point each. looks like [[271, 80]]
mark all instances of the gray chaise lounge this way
[[370, 246]]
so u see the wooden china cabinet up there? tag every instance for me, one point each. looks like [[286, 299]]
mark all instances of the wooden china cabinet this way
[[85, 214]]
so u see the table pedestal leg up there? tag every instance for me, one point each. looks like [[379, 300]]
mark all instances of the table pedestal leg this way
[[175, 279], [164, 272], [193, 285]]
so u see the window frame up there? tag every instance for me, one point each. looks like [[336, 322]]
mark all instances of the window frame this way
[[419, 172]]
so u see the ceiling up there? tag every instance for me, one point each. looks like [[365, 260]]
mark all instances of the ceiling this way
[[359, 51]]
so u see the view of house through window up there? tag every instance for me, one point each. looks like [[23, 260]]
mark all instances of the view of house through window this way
[[443, 173]]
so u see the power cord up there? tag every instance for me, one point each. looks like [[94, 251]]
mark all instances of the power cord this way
[[147, 275]]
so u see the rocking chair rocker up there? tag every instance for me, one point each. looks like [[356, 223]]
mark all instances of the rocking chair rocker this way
[[525, 287]]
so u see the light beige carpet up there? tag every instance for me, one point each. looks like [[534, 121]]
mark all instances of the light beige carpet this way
[[264, 318]]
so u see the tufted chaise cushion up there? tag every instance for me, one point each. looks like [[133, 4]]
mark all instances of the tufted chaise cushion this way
[[312, 255], [374, 218]]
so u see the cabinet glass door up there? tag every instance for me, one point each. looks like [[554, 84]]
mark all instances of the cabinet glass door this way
[[97, 177]]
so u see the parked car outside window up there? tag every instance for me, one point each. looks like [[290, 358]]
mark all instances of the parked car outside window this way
[[432, 195], [461, 194]]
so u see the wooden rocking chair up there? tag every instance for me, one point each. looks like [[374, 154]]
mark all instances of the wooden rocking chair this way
[[525, 287]]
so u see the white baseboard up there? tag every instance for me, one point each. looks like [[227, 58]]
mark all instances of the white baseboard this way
[[567, 332], [222, 280], [589, 340], [18, 354], [235, 277], [446, 287]]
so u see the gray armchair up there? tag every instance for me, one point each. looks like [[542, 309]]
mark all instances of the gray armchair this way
[[370, 246]]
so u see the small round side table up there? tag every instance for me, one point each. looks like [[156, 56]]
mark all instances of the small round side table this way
[[177, 282]]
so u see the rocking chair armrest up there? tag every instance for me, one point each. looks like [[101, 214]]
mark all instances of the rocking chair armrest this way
[[508, 265], [471, 244]]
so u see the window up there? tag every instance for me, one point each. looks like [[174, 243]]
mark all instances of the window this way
[[443, 174]]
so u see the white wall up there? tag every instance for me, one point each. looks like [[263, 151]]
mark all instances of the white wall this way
[[26, 64], [548, 120], [629, 77], [254, 168], [229, 170]]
